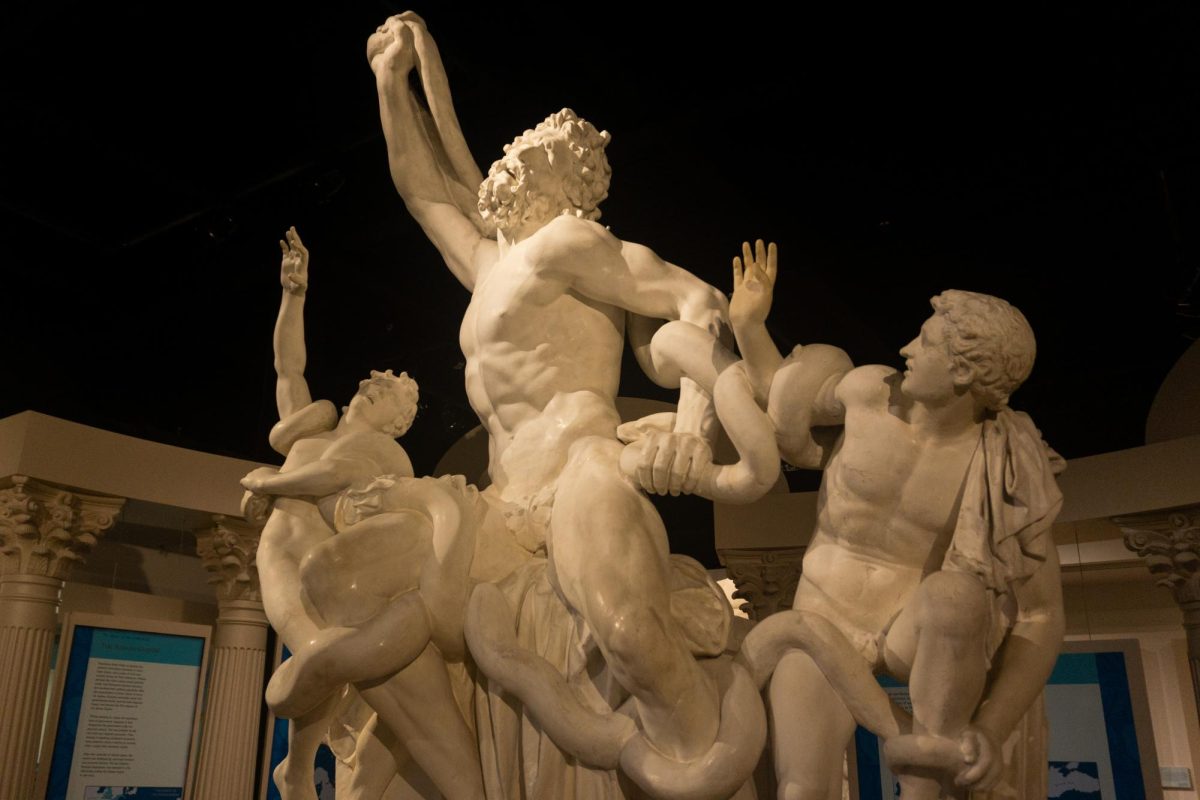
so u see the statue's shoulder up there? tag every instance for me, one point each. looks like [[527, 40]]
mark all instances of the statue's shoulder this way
[[568, 236], [871, 384]]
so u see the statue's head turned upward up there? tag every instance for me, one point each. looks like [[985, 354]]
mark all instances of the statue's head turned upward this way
[[574, 159], [387, 401]]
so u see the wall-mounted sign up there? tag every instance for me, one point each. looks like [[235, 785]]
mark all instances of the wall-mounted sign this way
[[1100, 745], [124, 717]]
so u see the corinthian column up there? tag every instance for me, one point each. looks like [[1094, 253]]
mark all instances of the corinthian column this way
[[1169, 542], [230, 744], [44, 530]]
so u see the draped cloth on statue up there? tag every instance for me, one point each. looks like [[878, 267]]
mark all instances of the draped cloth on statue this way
[[1010, 500], [519, 761]]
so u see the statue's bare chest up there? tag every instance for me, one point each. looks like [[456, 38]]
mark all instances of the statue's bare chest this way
[[509, 304], [517, 307], [882, 465]]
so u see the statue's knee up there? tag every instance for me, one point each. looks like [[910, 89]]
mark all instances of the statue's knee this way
[[631, 636], [952, 603]]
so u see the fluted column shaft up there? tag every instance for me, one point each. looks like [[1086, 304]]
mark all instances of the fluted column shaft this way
[[44, 530], [229, 746], [28, 620]]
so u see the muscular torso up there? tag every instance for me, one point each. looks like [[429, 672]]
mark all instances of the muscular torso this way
[[542, 367], [297, 523], [887, 509]]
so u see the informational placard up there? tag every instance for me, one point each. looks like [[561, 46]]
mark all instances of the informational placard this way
[[127, 702], [1101, 744], [1096, 708]]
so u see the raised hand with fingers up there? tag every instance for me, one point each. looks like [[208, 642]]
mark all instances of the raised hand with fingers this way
[[293, 272], [753, 284]]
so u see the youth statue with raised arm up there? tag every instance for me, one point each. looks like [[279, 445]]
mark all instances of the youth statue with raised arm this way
[[364, 572], [932, 559]]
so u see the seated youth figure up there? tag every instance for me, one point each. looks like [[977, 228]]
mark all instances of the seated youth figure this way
[[354, 607], [931, 560]]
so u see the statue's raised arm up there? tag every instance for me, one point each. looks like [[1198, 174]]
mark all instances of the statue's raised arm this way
[[291, 389], [431, 166]]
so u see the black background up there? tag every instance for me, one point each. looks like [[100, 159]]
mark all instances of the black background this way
[[152, 155]]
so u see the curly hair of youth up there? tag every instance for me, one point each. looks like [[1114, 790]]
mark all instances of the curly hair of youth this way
[[993, 337], [406, 388]]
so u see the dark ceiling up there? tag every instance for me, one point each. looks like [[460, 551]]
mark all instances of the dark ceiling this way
[[152, 156]]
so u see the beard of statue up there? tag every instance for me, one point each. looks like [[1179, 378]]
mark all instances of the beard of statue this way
[[510, 203]]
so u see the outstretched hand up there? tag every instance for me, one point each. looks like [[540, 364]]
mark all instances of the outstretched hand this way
[[753, 284], [293, 272]]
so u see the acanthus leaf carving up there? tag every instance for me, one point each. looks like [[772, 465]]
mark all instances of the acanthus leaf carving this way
[[766, 579], [45, 529], [1169, 542], [229, 550]]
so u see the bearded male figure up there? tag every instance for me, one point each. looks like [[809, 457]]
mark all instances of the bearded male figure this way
[[543, 338]]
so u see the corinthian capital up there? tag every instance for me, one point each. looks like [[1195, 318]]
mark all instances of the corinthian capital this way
[[1169, 542], [765, 578], [228, 551], [45, 529]]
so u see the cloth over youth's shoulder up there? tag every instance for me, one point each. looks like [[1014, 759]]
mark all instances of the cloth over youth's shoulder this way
[[1009, 502]]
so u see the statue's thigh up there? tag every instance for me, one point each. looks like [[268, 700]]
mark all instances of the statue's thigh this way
[[606, 538], [900, 644], [351, 577], [285, 541], [810, 729]]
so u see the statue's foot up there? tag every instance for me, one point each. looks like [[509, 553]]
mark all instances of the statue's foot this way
[[309, 676], [594, 738], [294, 782], [725, 766]]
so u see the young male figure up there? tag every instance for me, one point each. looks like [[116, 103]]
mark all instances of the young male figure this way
[[300, 561], [543, 339], [931, 552]]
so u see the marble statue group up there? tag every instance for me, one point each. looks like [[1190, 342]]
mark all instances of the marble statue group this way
[[535, 638]]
